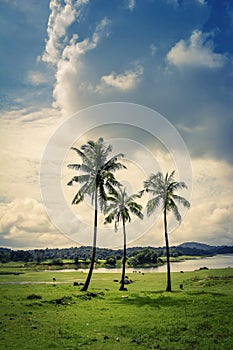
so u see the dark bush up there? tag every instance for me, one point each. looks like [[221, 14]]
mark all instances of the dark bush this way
[[34, 296]]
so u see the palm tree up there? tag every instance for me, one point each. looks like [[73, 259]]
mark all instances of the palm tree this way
[[162, 189], [96, 180], [119, 210]]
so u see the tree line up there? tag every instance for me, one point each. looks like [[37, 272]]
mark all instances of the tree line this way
[[84, 252]]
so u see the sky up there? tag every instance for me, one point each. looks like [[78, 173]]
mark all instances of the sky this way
[[73, 70]]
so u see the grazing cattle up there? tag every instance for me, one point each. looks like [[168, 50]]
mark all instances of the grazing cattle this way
[[54, 279]]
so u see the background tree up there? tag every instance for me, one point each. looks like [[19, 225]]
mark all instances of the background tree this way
[[110, 261], [76, 260], [119, 209], [163, 194], [96, 180]]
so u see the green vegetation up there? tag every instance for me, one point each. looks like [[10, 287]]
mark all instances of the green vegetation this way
[[69, 255], [197, 315]]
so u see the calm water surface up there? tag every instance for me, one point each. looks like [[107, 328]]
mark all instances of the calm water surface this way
[[214, 262]]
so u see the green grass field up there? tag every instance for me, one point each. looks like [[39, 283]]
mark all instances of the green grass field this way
[[47, 314]]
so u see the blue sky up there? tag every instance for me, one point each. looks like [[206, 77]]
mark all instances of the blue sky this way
[[173, 56]]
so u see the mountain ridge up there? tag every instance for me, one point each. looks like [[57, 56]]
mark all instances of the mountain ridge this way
[[197, 245]]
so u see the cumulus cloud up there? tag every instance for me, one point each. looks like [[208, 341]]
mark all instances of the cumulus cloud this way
[[25, 224], [21, 217], [70, 68], [197, 52], [124, 82], [66, 53], [24, 135], [61, 17]]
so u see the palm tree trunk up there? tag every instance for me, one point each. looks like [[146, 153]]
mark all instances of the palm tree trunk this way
[[169, 287], [86, 285], [124, 260]]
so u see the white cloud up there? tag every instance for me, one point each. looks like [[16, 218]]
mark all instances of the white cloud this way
[[131, 5], [37, 78], [60, 19], [181, 2], [197, 52], [124, 82], [24, 135], [70, 80], [153, 49], [24, 222]]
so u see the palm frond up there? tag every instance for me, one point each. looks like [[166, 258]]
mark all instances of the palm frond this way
[[153, 203], [181, 200], [154, 184], [174, 209], [112, 163], [74, 166], [136, 208], [170, 178], [179, 185], [79, 197], [109, 219], [84, 157], [79, 179]]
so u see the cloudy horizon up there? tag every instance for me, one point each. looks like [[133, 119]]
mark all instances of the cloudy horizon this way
[[61, 57]]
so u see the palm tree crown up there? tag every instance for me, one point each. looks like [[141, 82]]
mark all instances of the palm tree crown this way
[[120, 207], [162, 189], [97, 171]]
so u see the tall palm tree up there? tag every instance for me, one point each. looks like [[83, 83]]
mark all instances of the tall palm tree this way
[[162, 189], [119, 209], [96, 180]]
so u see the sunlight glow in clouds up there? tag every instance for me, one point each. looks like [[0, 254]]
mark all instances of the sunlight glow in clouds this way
[[125, 81], [197, 52]]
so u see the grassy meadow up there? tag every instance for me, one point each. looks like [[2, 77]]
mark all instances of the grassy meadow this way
[[44, 314]]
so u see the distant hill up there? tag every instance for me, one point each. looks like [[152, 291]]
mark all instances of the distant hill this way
[[196, 245], [196, 248]]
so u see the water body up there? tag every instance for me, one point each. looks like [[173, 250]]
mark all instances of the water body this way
[[213, 262]]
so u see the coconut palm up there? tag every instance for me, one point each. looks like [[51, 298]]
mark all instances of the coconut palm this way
[[119, 209], [96, 180], [163, 194]]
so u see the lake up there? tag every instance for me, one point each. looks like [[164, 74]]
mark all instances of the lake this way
[[213, 262]]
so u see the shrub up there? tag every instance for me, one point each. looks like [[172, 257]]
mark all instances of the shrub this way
[[34, 296]]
